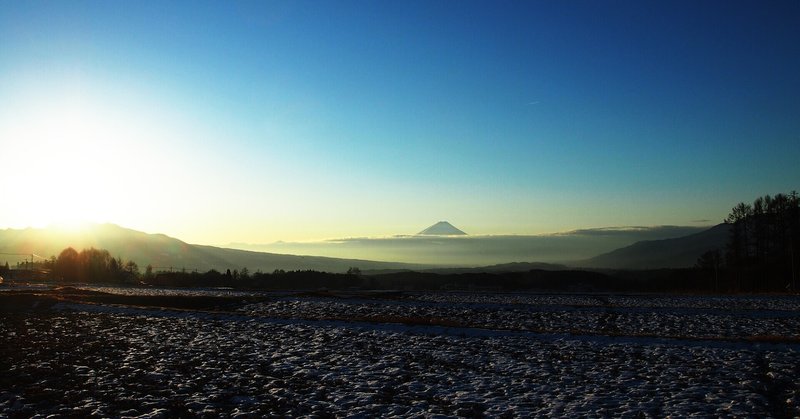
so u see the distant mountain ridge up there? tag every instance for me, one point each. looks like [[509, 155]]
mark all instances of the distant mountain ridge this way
[[164, 252], [681, 252], [448, 254]]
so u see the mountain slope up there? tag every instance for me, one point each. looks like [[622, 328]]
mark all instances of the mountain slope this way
[[442, 228], [681, 252], [164, 252]]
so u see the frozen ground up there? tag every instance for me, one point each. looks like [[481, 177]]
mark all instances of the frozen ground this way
[[405, 355], [643, 316]]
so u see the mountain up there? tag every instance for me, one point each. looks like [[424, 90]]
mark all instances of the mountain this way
[[681, 252], [164, 252], [419, 252], [442, 228]]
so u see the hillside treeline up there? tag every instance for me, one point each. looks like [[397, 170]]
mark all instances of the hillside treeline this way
[[762, 252], [99, 267]]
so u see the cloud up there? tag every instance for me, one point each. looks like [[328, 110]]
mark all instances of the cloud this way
[[644, 232], [482, 250]]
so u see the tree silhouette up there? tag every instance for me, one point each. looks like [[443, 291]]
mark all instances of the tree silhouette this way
[[738, 247], [763, 242], [132, 269], [93, 265], [68, 265], [711, 262]]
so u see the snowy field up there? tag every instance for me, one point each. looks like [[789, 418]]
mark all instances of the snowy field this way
[[410, 354]]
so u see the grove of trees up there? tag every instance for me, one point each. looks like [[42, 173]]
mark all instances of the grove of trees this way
[[762, 252], [92, 265]]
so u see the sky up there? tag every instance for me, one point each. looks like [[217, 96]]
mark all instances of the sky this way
[[219, 122]]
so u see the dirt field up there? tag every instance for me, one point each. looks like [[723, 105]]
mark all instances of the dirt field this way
[[155, 353]]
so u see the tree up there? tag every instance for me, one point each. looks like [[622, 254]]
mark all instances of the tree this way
[[68, 265], [711, 261], [132, 269], [113, 266], [354, 271], [738, 246], [793, 218], [95, 265]]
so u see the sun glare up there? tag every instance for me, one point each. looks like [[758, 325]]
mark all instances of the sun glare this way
[[75, 160], [72, 226]]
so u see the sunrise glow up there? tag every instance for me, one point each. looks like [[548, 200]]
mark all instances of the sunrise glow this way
[[303, 126]]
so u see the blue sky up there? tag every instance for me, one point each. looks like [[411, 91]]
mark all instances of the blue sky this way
[[301, 120]]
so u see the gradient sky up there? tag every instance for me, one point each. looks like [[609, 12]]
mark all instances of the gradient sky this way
[[260, 121]]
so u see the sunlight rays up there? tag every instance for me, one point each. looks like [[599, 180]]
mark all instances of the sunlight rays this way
[[72, 158]]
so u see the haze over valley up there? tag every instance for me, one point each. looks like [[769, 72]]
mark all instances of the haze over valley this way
[[420, 251], [468, 250]]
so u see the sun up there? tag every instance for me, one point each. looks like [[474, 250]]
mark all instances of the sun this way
[[70, 160], [72, 225], [73, 153]]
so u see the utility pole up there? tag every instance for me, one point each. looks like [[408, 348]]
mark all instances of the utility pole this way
[[28, 264]]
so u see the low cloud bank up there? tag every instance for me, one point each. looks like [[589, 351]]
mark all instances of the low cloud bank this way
[[479, 250]]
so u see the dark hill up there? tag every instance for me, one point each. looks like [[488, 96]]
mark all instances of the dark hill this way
[[681, 252], [164, 252]]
